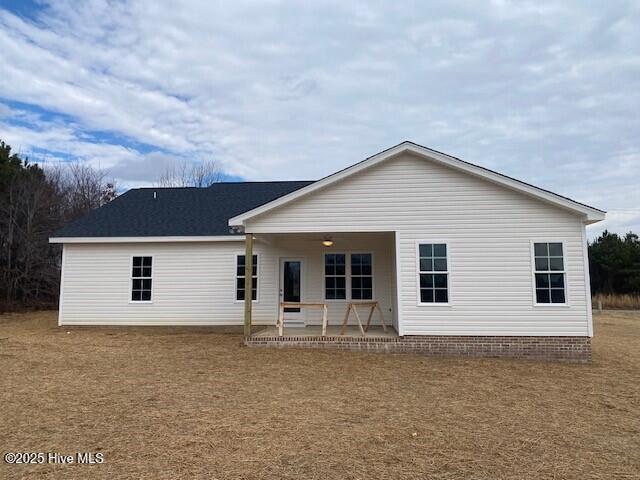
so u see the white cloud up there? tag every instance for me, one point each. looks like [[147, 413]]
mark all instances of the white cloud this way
[[543, 91], [5, 111]]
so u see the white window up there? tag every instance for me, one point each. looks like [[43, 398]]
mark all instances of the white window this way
[[358, 276], [141, 279], [240, 276], [361, 276], [335, 276], [549, 273], [433, 273]]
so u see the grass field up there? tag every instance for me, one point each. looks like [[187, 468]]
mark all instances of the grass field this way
[[189, 403]]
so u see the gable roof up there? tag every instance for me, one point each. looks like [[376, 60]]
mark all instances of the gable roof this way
[[175, 212], [591, 214], [192, 212]]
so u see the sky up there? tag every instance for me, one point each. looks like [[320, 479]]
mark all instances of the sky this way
[[546, 92]]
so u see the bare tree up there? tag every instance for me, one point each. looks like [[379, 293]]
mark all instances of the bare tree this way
[[202, 174], [30, 212], [86, 188], [34, 202]]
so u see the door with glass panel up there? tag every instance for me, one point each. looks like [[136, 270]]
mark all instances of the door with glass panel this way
[[291, 289]]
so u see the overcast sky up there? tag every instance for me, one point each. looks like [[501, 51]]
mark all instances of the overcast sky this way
[[545, 92]]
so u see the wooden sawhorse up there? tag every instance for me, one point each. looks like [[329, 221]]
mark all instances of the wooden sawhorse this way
[[283, 305], [353, 306]]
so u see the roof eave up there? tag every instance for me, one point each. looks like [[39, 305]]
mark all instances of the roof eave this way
[[149, 239], [594, 217]]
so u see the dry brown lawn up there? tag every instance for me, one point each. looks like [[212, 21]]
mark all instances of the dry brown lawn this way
[[191, 403]]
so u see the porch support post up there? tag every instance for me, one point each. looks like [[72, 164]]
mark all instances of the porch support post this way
[[248, 282]]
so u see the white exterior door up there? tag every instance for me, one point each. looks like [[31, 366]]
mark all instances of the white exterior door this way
[[291, 289]]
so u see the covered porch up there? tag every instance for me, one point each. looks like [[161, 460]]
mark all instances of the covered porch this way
[[323, 285]]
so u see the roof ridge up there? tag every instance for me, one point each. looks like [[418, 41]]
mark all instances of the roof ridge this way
[[223, 183]]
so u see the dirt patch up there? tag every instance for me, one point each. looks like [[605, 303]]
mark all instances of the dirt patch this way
[[194, 403]]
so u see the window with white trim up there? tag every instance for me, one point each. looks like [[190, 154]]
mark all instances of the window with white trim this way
[[549, 272], [335, 276], [352, 283], [361, 276], [141, 279], [240, 276], [433, 273]]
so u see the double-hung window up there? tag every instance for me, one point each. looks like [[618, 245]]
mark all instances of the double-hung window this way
[[361, 276], [141, 279], [240, 276], [433, 273], [335, 276], [549, 272]]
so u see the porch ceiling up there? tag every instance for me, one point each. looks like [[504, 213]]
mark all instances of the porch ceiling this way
[[340, 239]]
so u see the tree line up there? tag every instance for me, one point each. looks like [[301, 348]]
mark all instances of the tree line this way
[[614, 263], [36, 201]]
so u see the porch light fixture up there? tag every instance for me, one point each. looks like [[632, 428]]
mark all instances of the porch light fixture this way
[[327, 242]]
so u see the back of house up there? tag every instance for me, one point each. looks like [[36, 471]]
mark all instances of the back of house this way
[[452, 254]]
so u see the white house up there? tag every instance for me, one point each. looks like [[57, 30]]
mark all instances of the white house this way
[[460, 259]]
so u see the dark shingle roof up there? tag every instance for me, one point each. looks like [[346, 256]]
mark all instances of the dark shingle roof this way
[[176, 211]]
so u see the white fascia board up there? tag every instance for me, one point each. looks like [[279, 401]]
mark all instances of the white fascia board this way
[[591, 215], [216, 238]]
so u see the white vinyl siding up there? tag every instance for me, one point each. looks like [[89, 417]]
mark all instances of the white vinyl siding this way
[[195, 283], [489, 227]]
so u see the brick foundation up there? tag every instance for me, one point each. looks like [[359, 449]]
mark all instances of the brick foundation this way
[[571, 349]]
